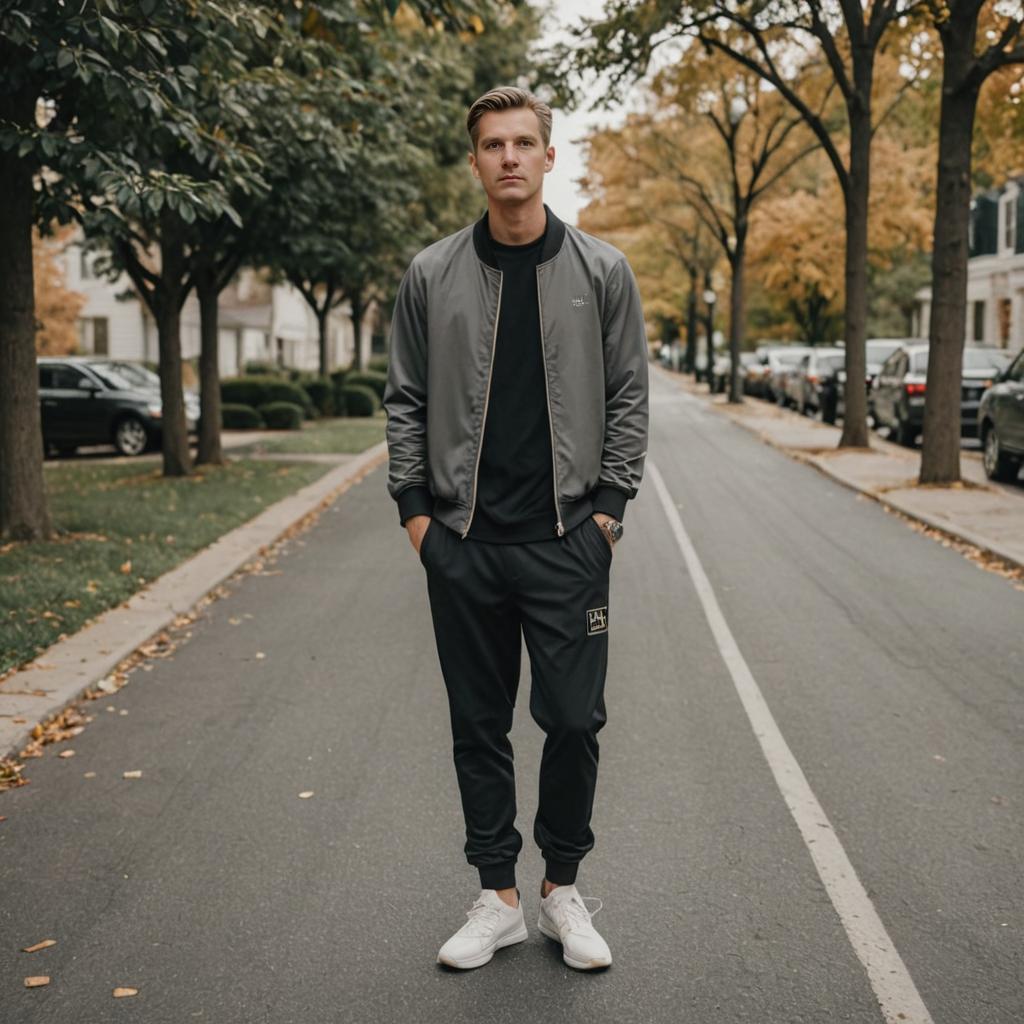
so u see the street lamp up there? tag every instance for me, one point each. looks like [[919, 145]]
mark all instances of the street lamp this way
[[709, 297]]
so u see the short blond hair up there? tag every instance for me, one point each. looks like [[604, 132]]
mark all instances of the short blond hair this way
[[508, 97]]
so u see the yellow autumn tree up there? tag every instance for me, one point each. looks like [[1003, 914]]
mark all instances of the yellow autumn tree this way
[[57, 307]]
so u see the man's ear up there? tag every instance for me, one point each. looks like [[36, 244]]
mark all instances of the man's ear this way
[[472, 165], [549, 158]]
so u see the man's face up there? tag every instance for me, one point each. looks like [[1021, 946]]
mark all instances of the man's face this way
[[510, 158]]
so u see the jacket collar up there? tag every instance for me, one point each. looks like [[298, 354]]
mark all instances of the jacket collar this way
[[552, 240]]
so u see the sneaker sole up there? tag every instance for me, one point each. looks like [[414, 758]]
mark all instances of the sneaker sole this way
[[485, 958], [579, 965]]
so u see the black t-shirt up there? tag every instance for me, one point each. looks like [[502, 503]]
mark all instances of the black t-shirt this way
[[515, 500]]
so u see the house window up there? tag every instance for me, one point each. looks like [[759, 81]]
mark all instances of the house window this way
[[100, 336], [85, 270], [1010, 223], [979, 321]]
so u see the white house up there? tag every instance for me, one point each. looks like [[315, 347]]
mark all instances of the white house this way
[[995, 271], [258, 321]]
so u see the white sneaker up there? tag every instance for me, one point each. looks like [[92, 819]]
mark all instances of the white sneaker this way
[[564, 917], [492, 925]]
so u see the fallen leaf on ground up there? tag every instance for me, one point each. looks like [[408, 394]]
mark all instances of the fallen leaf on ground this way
[[123, 711], [120, 993], [126, 567], [260, 655], [45, 944], [66, 753], [132, 775], [89, 775], [37, 982], [306, 794]]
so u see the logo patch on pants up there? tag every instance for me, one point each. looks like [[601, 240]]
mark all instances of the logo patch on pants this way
[[597, 620]]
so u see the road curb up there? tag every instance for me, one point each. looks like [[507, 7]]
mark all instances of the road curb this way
[[69, 667], [884, 498]]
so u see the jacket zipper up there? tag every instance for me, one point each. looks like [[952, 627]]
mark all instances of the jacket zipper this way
[[559, 527], [487, 399]]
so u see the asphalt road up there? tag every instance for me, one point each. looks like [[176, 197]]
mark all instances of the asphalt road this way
[[893, 667]]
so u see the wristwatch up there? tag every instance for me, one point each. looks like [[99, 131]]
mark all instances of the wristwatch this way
[[614, 530]]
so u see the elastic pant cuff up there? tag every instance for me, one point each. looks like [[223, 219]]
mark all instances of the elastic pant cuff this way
[[498, 876], [560, 872]]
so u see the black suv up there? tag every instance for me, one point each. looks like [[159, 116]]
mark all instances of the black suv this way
[[86, 400], [1001, 423]]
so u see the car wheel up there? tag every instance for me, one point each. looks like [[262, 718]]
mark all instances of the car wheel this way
[[998, 465], [131, 436], [906, 433]]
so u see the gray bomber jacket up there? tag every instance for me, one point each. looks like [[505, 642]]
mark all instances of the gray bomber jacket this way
[[443, 334]]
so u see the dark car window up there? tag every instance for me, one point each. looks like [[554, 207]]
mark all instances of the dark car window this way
[[59, 376]]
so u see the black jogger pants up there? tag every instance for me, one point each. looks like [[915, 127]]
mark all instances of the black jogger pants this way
[[483, 599]]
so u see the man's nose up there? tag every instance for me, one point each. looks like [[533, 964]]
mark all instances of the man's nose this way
[[509, 155]]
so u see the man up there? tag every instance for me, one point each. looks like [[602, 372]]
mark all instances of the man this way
[[517, 430]]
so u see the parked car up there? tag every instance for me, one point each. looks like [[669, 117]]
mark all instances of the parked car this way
[[86, 400], [876, 351], [812, 386], [899, 393], [782, 362], [1001, 423], [759, 372], [722, 369]]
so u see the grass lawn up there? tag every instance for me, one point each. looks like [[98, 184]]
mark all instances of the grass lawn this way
[[329, 436], [120, 526]]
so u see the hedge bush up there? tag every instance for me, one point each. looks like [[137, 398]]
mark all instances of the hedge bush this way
[[321, 393], [378, 364], [284, 391], [282, 415], [263, 388], [360, 400], [260, 367], [235, 416], [368, 379]]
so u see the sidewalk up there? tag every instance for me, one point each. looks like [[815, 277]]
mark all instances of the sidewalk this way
[[987, 515]]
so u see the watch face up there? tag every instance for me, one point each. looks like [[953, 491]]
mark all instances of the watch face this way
[[615, 529]]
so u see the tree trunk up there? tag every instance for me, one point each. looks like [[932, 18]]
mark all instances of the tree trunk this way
[[855, 419], [208, 293], [709, 320], [736, 316], [23, 509], [691, 323], [168, 303], [322, 317], [940, 454], [358, 308]]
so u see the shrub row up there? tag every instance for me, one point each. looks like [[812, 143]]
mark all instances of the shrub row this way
[[273, 415], [345, 393]]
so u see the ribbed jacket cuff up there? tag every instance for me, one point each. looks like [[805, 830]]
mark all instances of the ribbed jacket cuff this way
[[609, 500], [415, 501]]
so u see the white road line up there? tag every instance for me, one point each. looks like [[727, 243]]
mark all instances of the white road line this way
[[897, 994]]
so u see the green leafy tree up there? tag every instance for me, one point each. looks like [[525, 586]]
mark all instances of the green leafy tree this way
[[66, 72]]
